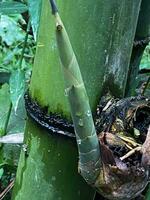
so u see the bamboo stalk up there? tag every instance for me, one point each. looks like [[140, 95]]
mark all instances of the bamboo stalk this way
[[142, 38], [87, 141], [96, 31]]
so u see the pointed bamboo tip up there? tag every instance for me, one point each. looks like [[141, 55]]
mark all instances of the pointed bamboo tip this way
[[53, 7]]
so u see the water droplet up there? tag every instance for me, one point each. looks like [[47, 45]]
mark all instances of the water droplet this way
[[79, 193], [88, 113], [49, 151], [60, 171], [67, 91], [79, 141], [107, 59], [36, 178], [53, 178], [78, 114], [24, 147], [80, 122], [58, 154]]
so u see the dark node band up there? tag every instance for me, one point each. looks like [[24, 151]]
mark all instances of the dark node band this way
[[52, 122]]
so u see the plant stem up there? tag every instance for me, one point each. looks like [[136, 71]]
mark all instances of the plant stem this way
[[8, 118], [25, 44], [87, 141]]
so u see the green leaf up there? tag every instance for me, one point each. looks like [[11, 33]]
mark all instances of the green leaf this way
[[9, 153], [145, 65], [145, 62], [4, 76], [20, 117], [7, 8], [4, 107], [17, 87], [35, 12], [1, 172], [10, 34]]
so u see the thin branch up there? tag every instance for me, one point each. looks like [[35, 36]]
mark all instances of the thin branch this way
[[25, 44], [6, 190], [130, 153]]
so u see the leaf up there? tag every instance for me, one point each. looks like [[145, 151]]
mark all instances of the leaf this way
[[20, 117], [4, 77], [1, 172], [7, 8], [17, 87], [9, 153], [10, 34], [4, 107], [35, 12]]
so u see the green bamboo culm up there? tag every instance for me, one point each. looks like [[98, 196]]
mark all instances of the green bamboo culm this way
[[86, 137]]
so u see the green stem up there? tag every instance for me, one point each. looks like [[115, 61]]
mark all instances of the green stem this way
[[87, 141], [25, 44], [8, 118]]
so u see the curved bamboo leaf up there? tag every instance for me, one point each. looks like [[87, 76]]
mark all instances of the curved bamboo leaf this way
[[17, 87], [35, 12], [7, 8]]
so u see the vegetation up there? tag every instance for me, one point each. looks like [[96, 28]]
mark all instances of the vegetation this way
[[16, 59], [18, 36]]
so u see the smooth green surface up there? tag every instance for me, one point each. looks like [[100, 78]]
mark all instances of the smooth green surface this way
[[133, 80], [49, 171], [101, 34], [143, 26]]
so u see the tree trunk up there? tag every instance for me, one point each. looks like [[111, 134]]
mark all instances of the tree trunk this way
[[102, 35], [142, 38]]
